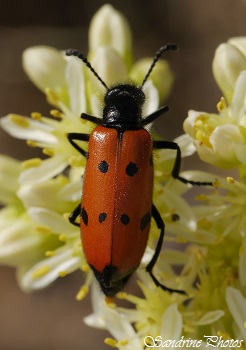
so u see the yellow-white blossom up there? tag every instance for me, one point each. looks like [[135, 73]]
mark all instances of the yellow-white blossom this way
[[220, 139], [37, 238], [109, 28], [229, 61]]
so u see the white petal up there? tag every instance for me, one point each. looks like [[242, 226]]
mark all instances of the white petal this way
[[63, 260], [19, 243], [190, 233], [228, 135], [171, 325], [121, 329], [109, 66], [97, 299], [238, 104], [198, 175], [45, 67], [71, 191], [56, 222], [240, 152], [47, 169], [76, 86], [237, 306], [148, 255], [240, 43], [185, 142], [190, 122], [152, 98], [32, 129], [45, 194], [209, 318]]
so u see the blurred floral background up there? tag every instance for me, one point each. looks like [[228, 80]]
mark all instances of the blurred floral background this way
[[52, 318]]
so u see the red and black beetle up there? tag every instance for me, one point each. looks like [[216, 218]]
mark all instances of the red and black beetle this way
[[116, 207]]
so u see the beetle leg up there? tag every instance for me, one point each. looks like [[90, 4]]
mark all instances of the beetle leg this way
[[177, 163], [73, 216], [160, 224], [78, 137]]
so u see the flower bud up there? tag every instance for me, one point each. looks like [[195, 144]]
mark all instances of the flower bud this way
[[109, 28], [229, 61], [109, 66], [161, 76]]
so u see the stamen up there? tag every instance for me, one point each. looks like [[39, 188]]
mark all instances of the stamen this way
[[203, 138], [151, 320], [121, 295], [85, 268], [43, 270], [36, 115], [123, 342], [216, 183], [19, 120], [62, 237], [111, 342], [221, 105], [31, 143], [55, 113], [43, 229], [201, 197], [230, 180], [30, 163], [63, 273], [82, 293], [49, 253], [223, 335], [48, 152]]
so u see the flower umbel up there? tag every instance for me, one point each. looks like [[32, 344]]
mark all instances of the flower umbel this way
[[207, 240]]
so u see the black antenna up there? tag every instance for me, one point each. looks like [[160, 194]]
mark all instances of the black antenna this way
[[78, 54], [158, 54]]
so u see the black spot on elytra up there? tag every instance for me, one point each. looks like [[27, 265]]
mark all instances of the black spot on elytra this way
[[84, 216], [103, 166], [102, 217], [131, 169], [145, 221], [124, 218]]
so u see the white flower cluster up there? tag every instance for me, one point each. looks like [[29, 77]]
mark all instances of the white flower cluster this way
[[37, 239]]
